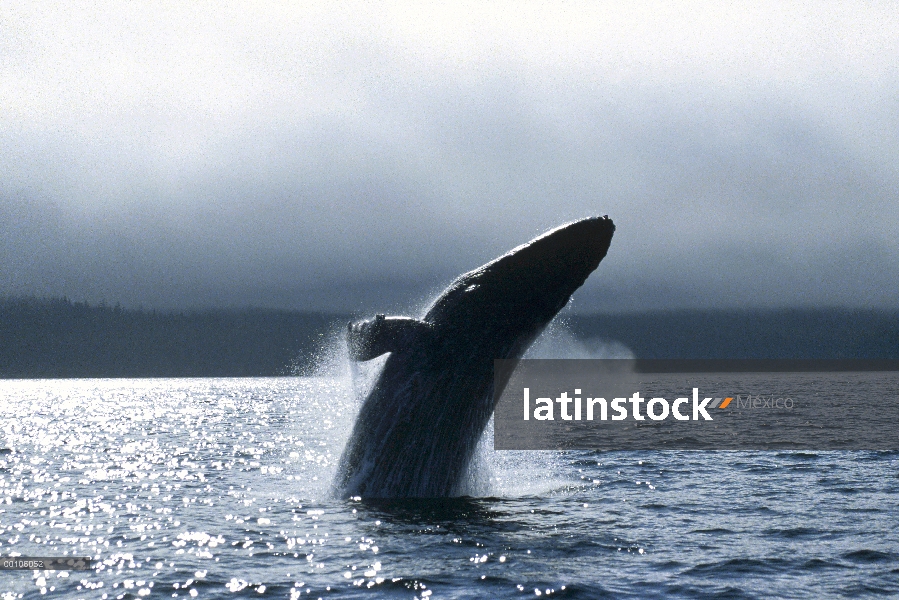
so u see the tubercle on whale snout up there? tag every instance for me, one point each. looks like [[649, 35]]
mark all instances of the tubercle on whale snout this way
[[417, 430]]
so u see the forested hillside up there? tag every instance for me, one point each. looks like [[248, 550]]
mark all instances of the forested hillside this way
[[60, 338]]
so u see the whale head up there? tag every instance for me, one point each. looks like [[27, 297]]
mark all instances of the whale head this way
[[507, 302]]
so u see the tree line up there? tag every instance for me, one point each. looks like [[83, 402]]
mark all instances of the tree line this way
[[50, 338]]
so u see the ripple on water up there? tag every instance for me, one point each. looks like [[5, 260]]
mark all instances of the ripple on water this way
[[219, 487]]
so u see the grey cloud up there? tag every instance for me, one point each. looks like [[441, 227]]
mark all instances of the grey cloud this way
[[351, 170]]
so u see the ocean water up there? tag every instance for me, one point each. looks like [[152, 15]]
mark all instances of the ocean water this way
[[183, 488]]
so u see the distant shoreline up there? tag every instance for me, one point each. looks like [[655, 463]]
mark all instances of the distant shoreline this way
[[57, 338]]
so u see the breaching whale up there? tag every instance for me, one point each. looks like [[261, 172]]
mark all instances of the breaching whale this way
[[418, 428]]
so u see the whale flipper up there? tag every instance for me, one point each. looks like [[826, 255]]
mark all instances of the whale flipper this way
[[371, 338]]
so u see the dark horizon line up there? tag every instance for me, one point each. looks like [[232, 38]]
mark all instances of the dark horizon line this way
[[198, 310]]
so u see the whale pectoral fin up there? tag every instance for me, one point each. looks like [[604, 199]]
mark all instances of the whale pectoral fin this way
[[370, 338]]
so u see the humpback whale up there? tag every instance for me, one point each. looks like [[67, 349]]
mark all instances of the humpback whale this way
[[418, 428]]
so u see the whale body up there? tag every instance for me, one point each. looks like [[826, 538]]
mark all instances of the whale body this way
[[418, 428]]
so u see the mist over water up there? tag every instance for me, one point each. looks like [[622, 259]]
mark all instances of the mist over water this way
[[557, 341]]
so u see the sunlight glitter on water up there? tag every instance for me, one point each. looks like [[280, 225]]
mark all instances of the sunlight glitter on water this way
[[211, 487], [139, 465], [172, 475]]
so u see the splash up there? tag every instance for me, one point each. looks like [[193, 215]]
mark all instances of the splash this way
[[525, 472], [491, 473], [558, 341]]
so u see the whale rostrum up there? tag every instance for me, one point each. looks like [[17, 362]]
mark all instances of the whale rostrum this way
[[418, 428]]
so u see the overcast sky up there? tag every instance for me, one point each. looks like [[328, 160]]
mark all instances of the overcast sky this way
[[354, 157]]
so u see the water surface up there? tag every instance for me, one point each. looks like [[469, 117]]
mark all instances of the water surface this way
[[220, 488]]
